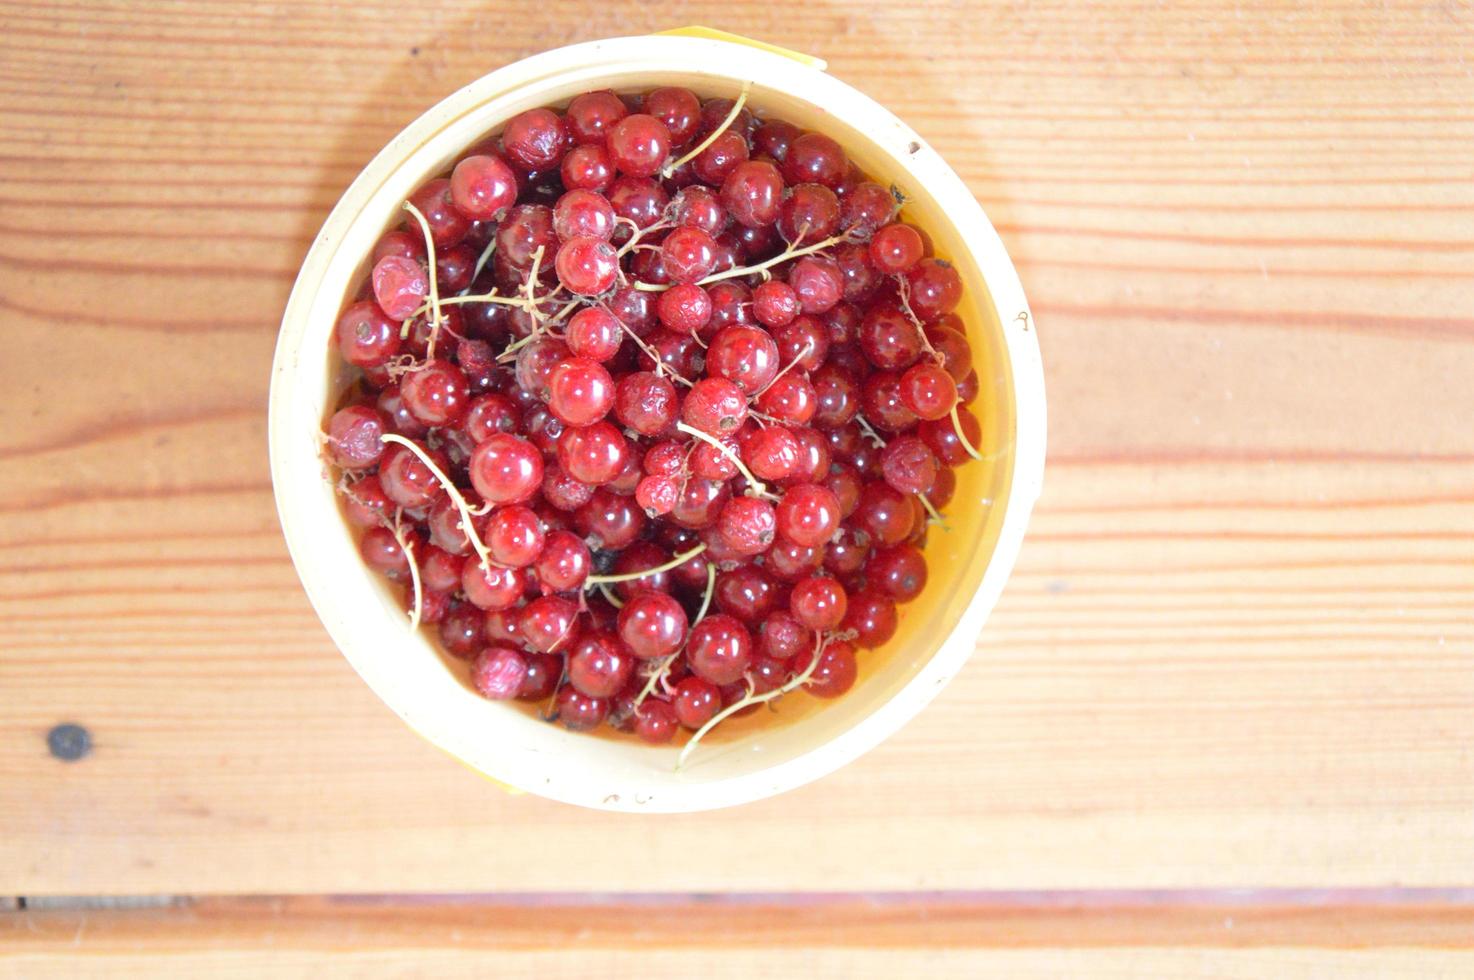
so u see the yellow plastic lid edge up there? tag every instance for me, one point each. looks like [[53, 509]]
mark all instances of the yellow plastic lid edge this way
[[712, 34]]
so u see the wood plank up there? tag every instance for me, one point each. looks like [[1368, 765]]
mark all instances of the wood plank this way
[[1238, 648], [669, 938]]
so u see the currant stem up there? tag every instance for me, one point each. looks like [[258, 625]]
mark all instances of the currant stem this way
[[481, 263], [508, 353], [490, 297], [414, 567], [663, 669], [808, 347], [700, 148], [613, 599], [638, 233], [660, 671], [711, 581], [748, 701], [661, 368], [903, 290], [531, 284], [675, 562], [868, 431], [747, 270], [568, 308], [434, 286], [451, 490], [935, 515], [962, 438], [758, 488]]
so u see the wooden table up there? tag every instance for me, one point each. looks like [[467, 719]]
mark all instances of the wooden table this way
[[1221, 721]]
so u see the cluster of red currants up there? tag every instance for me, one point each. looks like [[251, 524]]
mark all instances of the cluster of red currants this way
[[656, 399]]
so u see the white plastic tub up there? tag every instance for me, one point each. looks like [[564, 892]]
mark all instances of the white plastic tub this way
[[748, 758]]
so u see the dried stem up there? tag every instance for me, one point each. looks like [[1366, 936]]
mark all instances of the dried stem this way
[[962, 438], [747, 270], [868, 431], [531, 284], [467, 525], [675, 562], [748, 701], [711, 581], [661, 368], [661, 669], [638, 233], [509, 353], [756, 487], [434, 286], [664, 667], [610, 596], [414, 567], [481, 263], [903, 291], [935, 515], [491, 297], [808, 346], [700, 148]]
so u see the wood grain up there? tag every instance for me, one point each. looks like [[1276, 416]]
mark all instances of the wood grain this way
[[1238, 649], [357, 938]]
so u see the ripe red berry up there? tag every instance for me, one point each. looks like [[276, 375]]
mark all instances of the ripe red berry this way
[[400, 285], [594, 333], [873, 618], [746, 356], [715, 406], [589, 116], [355, 436], [483, 188], [535, 139], [498, 673], [599, 664], [696, 701], [928, 391], [580, 391], [578, 712], [815, 158], [940, 437], [366, 336], [593, 453], [447, 224], [899, 572], [638, 145], [436, 394], [835, 672], [652, 624], [689, 254], [908, 465], [753, 193], [895, 249], [514, 536], [506, 469], [655, 722], [587, 265], [583, 213], [808, 514], [720, 649], [818, 603], [747, 525], [936, 288], [564, 563], [491, 586], [685, 308], [658, 495]]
